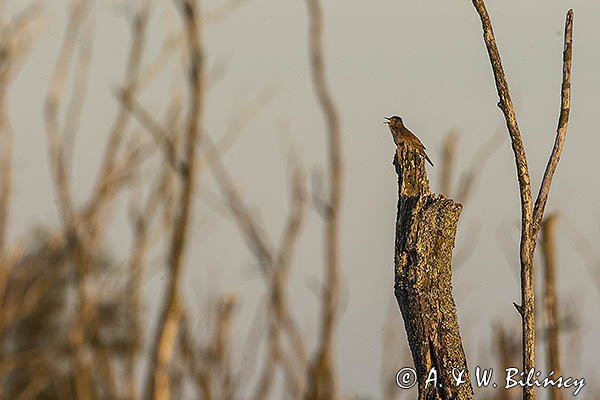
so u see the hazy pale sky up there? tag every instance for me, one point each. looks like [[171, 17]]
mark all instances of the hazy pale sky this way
[[424, 61]]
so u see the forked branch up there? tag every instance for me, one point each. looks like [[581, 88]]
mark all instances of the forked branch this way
[[530, 217], [561, 130]]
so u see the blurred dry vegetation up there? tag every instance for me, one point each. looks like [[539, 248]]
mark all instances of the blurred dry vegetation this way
[[71, 314]]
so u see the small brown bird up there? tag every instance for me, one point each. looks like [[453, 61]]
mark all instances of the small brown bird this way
[[401, 134]]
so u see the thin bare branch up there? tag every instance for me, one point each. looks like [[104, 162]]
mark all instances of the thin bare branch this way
[[77, 96], [221, 343], [274, 265], [53, 100], [141, 220], [293, 224], [237, 123], [279, 314], [222, 11], [149, 73], [506, 105], [158, 380], [119, 128], [285, 319], [561, 131], [124, 172], [160, 136], [321, 380], [14, 43], [252, 232], [61, 185], [139, 24], [192, 361]]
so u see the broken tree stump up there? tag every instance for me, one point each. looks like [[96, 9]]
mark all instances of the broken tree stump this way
[[425, 232]]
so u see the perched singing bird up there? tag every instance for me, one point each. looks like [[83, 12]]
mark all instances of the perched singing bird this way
[[401, 134]]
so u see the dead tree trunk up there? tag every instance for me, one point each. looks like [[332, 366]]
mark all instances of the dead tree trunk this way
[[425, 232]]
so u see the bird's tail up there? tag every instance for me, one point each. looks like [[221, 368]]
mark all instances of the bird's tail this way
[[427, 158]]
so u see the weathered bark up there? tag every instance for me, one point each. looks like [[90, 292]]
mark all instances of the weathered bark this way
[[425, 231]]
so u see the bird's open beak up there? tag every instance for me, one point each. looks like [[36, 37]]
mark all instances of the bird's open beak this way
[[388, 120]]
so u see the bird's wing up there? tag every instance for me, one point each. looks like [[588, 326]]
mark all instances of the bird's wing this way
[[418, 142]]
